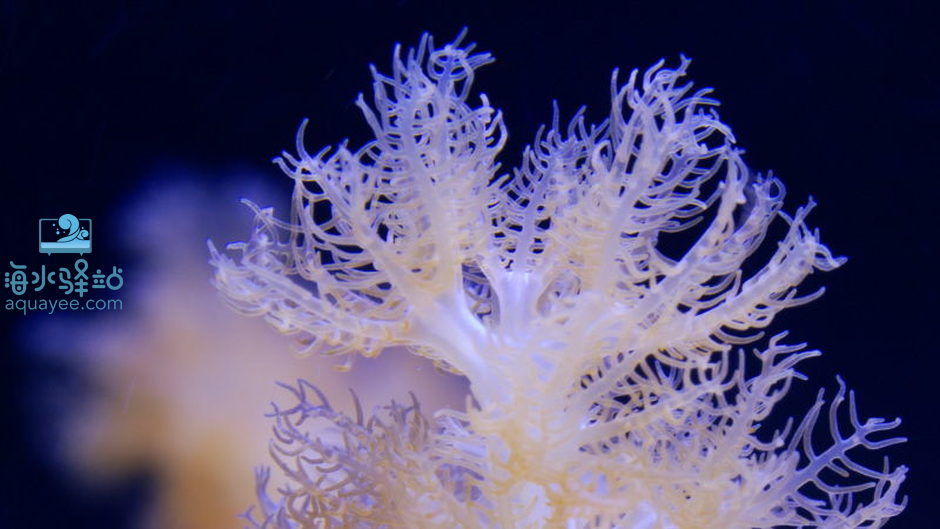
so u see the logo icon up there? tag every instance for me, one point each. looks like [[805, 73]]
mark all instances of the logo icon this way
[[67, 234]]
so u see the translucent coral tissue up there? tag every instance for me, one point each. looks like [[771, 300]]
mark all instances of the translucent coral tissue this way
[[610, 388]]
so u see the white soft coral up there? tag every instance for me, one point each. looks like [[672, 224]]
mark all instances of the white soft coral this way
[[606, 391]]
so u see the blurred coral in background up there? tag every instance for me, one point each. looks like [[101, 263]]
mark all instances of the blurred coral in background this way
[[180, 385]]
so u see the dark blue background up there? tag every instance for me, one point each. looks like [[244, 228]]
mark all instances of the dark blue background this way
[[841, 99]]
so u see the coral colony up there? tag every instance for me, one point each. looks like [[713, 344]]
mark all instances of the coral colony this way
[[609, 386]]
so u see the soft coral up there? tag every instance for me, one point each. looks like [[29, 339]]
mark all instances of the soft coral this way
[[606, 391]]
